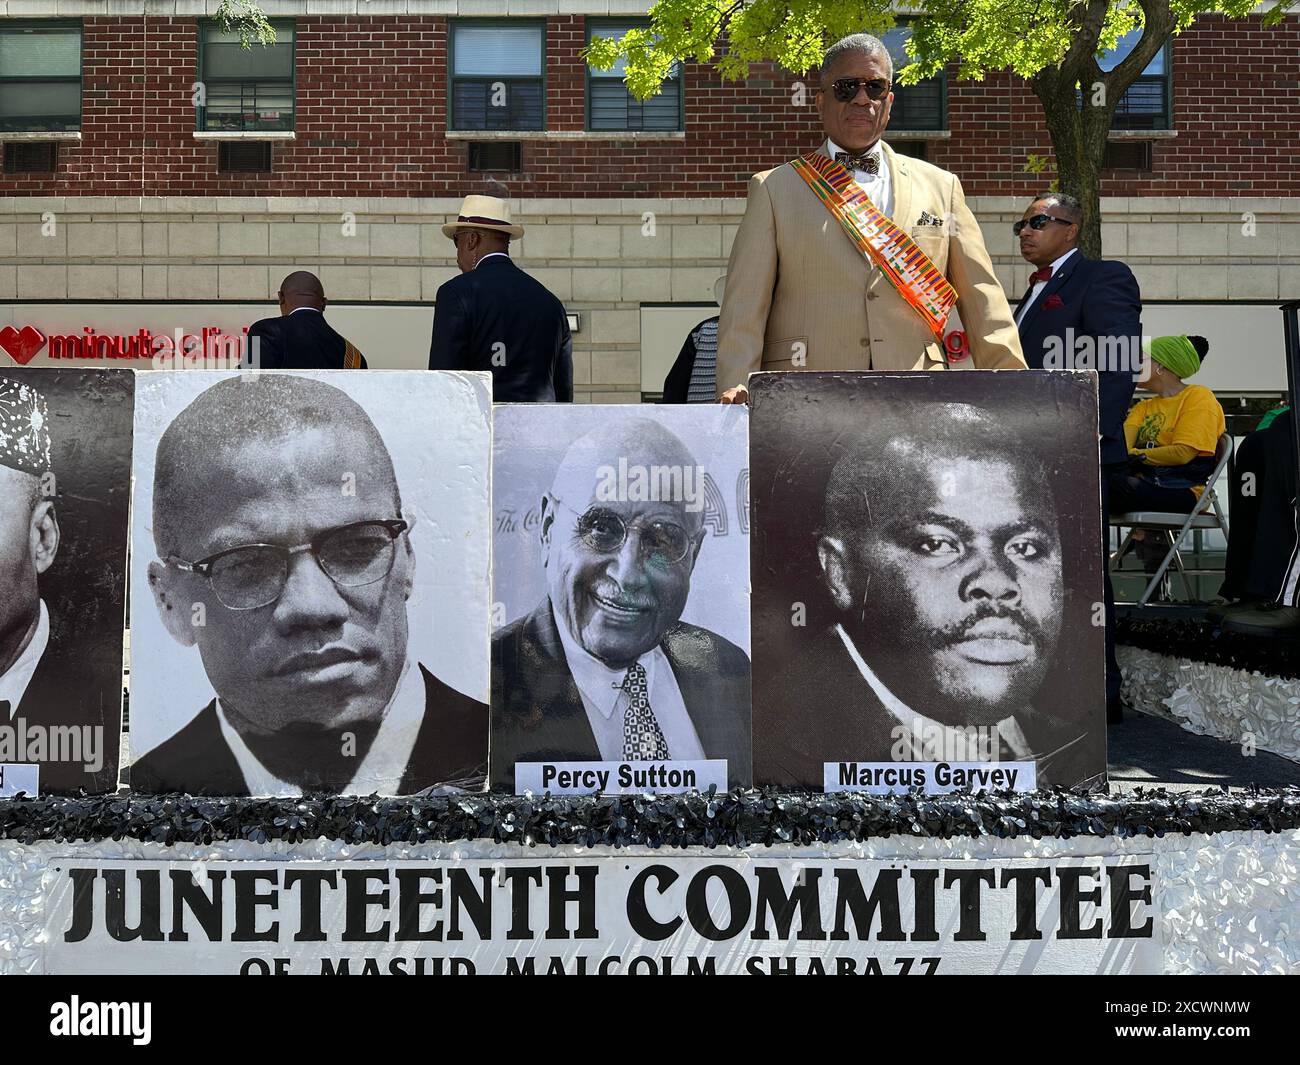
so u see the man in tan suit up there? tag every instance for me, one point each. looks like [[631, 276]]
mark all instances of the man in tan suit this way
[[800, 293]]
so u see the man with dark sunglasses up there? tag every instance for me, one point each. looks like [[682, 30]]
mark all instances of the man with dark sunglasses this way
[[604, 669], [284, 557], [852, 257], [1083, 314]]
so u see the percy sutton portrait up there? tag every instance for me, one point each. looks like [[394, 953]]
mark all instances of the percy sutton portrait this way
[[294, 589], [604, 669], [941, 564]]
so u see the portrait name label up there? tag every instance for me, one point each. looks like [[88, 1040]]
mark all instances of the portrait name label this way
[[933, 778], [662, 913], [620, 778]]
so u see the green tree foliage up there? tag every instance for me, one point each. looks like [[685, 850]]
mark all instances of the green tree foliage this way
[[1054, 44]]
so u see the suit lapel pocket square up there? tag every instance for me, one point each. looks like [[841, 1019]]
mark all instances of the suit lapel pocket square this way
[[927, 219], [1052, 302]]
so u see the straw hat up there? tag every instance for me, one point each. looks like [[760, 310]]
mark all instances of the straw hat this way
[[483, 212]]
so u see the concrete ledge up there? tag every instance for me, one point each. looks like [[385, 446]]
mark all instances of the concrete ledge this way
[[43, 136], [918, 135], [244, 135], [562, 135], [1142, 134]]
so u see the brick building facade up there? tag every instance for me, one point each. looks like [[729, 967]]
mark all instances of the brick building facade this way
[[143, 211]]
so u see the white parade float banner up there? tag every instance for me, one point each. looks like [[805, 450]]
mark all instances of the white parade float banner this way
[[1227, 902]]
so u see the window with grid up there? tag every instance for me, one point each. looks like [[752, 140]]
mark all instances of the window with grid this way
[[923, 106], [610, 106], [245, 88], [1147, 103], [40, 77], [496, 76]]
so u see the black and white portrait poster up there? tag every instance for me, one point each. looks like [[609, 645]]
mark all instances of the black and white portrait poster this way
[[620, 651], [310, 579], [927, 580], [65, 489]]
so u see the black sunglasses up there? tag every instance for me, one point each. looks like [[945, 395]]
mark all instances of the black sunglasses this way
[[1038, 221], [846, 89]]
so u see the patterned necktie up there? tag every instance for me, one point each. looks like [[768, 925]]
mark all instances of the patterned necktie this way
[[870, 162], [643, 739]]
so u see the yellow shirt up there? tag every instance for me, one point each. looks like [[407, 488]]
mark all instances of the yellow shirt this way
[[1173, 430]]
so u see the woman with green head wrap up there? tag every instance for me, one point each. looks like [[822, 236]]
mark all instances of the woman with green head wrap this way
[[1172, 436]]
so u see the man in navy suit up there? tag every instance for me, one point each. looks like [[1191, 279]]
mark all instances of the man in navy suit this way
[[495, 317], [300, 339], [1083, 314]]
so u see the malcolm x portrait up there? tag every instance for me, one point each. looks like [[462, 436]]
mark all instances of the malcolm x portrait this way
[[65, 462], [944, 568], [604, 668], [283, 554]]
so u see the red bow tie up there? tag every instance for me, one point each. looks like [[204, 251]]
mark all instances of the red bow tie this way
[[1043, 273]]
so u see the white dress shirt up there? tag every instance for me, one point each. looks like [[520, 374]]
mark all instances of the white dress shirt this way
[[380, 771], [605, 701], [1040, 285], [878, 187], [920, 727], [13, 685]]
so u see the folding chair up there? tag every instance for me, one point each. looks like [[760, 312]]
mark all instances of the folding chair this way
[[1207, 514]]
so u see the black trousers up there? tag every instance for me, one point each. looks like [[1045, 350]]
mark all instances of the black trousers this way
[[1262, 549], [1128, 492]]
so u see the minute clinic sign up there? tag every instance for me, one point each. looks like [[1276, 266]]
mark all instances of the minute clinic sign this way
[[211, 347]]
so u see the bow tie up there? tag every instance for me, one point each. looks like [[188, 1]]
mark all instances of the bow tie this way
[[1043, 273], [869, 161]]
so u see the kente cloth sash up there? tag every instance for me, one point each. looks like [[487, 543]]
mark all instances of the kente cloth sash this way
[[906, 266]]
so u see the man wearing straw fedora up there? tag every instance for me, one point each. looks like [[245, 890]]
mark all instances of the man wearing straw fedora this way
[[495, 317]]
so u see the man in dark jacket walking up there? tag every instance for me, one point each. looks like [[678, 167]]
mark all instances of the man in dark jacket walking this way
[[495, 317], [300, 339]]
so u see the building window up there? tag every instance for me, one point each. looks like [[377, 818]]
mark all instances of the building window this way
[[245, 88], [610, 106], [40, 77], [1146, 104], [496, 75], [923, 106]]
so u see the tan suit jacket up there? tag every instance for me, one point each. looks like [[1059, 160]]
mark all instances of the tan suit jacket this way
[[796, 278]]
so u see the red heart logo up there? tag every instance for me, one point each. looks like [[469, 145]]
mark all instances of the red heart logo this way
[[22, 346]]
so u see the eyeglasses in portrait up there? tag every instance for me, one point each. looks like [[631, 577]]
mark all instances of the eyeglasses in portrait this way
[[620, 615], [311, 573]]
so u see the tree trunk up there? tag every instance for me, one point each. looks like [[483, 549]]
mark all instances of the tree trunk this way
[[1079, 140]]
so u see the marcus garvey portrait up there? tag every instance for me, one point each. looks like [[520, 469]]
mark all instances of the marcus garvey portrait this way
[[284, 555], [949, 581], [603, 668], [65, 458]]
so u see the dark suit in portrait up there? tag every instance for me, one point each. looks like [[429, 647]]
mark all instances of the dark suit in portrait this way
[[82, 700], [495, 317], [301, 340], [538, 712], [449, 747], [851, 724]]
